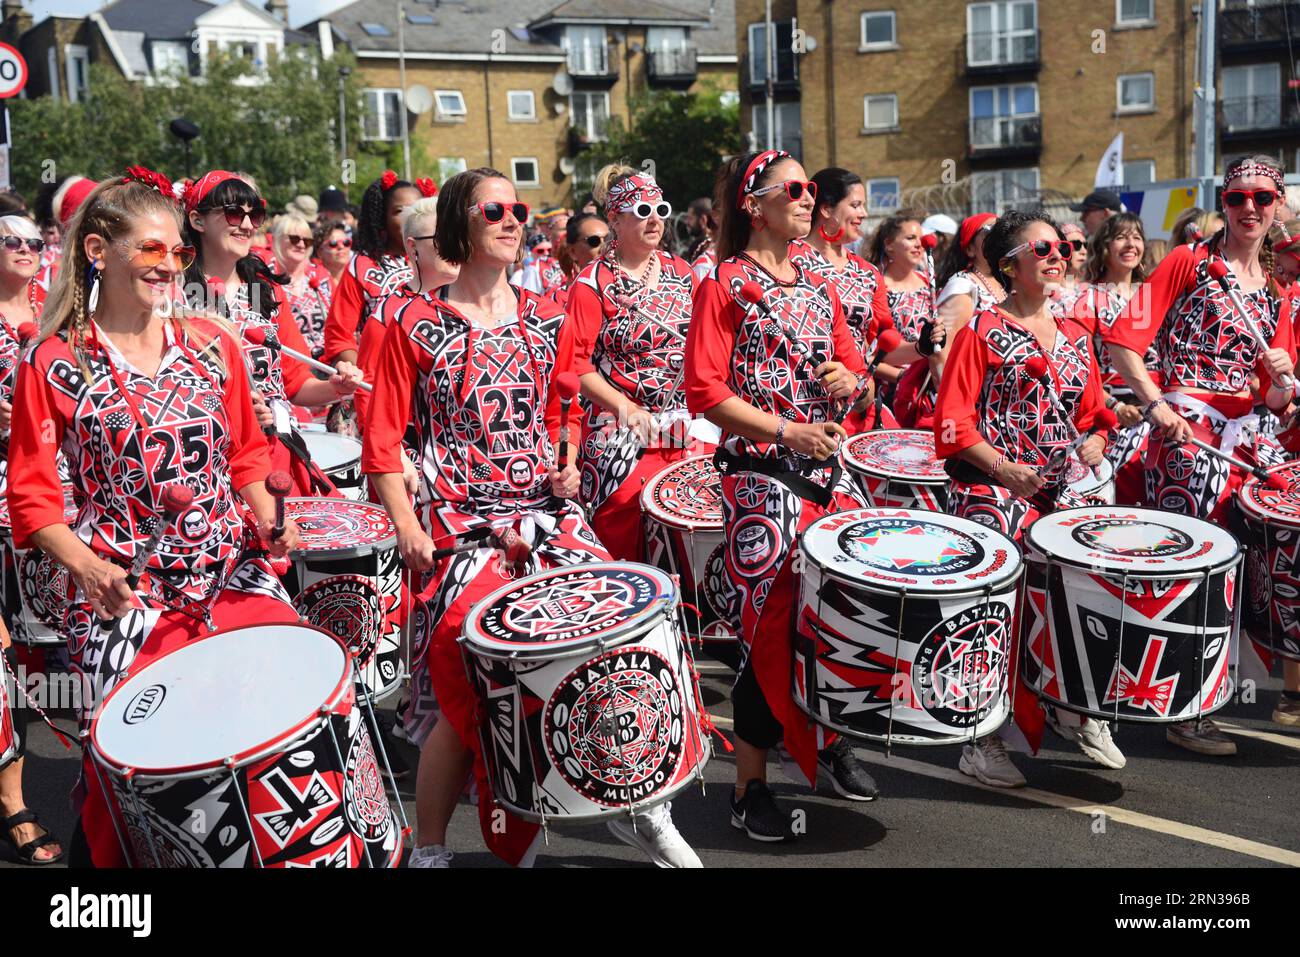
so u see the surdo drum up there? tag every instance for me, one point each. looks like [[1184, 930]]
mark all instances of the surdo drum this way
[[36, 587], [1085, 486], [1129, 613], [211, 766], [339, 457], [1271, 532], [896, 468], [345, 577], [590, 702], [905, 625], [682, 510]]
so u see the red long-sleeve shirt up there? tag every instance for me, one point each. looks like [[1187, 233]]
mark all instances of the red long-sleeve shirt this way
[[361, 288], [861, 288]]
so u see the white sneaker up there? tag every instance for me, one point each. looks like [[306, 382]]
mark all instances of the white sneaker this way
[[657, 836], [1093, 739], [433, 855], [987, 762]]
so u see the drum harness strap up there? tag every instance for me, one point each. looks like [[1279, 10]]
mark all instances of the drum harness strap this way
[[795, 479], [297, 446]]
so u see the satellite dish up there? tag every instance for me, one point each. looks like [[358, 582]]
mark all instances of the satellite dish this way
[[566, 165], [419, 99], [562, 83], [810, 44], [559, 107]]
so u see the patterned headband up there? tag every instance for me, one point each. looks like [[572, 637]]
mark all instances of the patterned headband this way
[[757, 166], [1254, 169], [626, 193]]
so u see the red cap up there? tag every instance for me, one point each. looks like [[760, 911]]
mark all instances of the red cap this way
[[278, 484], [888, 341], [972, 225], [1217, 269], [929, 240], [69, 197], [255, 334], [176, 498], [27, 332]]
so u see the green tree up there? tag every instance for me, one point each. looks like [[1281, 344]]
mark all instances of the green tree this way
[[685, 135]]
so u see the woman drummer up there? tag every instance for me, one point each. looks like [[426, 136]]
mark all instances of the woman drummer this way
[[470, 369], [139, 397], [1006, 445], [627, 318], [21, 301], [1208, 355], [222, 212], [776, 403], [898, 251]]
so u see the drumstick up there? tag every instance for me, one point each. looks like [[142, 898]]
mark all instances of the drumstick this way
[[886, 342], [610, 308], [1218, 271], [257, 336], [567, 385], [752, 293], [278, 484], [1271, 479], [1036, 368], [929, 242], [175, 499]]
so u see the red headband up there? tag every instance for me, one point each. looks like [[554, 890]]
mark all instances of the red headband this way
[[757, 166], [972, 225], [206, 184], [626, 193], [1254, 169]]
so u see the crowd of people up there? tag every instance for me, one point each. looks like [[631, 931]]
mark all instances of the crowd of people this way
[[174, 321]]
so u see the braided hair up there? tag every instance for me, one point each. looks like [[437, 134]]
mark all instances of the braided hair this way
[[371, 238], [256, 274]]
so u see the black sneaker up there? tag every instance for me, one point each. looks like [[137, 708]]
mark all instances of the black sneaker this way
[[849, 778], [391, 749], [758, 815]]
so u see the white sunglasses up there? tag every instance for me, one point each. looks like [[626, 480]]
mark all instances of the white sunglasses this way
[[643, 210]]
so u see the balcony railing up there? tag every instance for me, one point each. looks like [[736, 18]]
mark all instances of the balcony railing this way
[[673, 65], [1260, 26], [1003, 135], [786, 77], [592, 62], [1002, 52], [594, 130], [1254, 115]]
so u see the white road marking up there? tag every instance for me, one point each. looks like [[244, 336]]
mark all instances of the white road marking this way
[[1286, 740]]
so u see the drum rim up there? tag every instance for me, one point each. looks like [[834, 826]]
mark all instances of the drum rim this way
[[323, 712], [1111, 716], [657, 612], [1253, 510], [858, 467], [1098, 482], [352, 551], [991, 581], [347, 463], [676, 521], [1189, 572]]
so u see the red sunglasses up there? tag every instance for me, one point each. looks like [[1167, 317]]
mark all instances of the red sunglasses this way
[[1042, 249], [794, 189], [1263, 198]]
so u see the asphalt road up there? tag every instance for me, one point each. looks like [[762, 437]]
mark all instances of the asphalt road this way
[[1167, 808]]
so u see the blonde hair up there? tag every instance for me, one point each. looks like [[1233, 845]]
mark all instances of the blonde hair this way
[[281, 229], [422, 211], [19, 226], [110, 211], [605, 179]]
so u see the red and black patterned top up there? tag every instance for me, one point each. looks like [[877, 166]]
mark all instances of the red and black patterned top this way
[[1201, 341], [309, 301], [633, 348], [480, 400], [9, 344], [733, 350], [861, 288], [371, 346], [986, 395], [363, 284], [275, 374], [911, 310], [126, 436], [1097, 309], [550, 273]]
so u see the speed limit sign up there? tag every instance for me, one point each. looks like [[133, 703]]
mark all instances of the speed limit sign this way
[[13, 71]]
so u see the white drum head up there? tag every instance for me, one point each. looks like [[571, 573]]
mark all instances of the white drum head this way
[[563, 610], [1083, 481], [1140, 541], [330, 450], [906, 455], [230, 694], [1274, 506], [686, 495], [895, 548]]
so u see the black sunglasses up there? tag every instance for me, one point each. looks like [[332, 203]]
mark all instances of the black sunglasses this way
[[1076, 244], [495, 212], [15, 243], [303, 241], [235, 215], [595, 240]]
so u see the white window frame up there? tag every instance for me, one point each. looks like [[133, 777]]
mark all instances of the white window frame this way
[[898, 200], [1253, 96], [449, 166], [583, 65], [1001, 201], [877, 47], [382, 91], [532, 106], [592, 137], [1119, 93], [1151, 164], [173, 48], [866, 113], [74, 53], [998, 33], [754, 80], [52, 68], [537, 169], [453, 114], [782, 136], [1123, 23], [1008, 119]]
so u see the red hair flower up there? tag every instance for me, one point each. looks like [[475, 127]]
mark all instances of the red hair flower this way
[[426, 186], [142, 174], [388, 180]]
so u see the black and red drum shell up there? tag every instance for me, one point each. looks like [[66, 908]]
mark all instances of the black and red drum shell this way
[[1270, 528], [897, 468]]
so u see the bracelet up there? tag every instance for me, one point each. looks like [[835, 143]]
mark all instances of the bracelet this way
[[997, 466], [780, 431], [1146, 412]]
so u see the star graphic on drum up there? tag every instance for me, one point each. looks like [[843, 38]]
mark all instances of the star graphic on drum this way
[[565, 606], [619, 728], [1132, 539], [903, 548]]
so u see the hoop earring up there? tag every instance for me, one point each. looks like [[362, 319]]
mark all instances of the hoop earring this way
[[757, 223], [839, 234], [92, 300]]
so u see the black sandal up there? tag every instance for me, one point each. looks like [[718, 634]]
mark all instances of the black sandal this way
[[27, 852]]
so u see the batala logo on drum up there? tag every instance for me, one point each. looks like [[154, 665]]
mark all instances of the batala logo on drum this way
[[569, 606], [363, 788], [347, 606], [1131, 538], [961, 664], [924, 549], [613, 726]]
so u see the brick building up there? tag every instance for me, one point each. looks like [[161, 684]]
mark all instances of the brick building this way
[[1259, 59]]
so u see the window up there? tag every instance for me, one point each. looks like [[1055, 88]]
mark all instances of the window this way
[[1005, 116], [521, 105], [588, 55], [376, 30], [589, 114], [52, 70], [1136, 93], [381, 120], [1252, 96], [787, 132], [450, 104], [880, 112], [878, 31], [787, 65], [523, 170], [882, 195], [170, 57], [999, 191], [665, 38], [78, 68], [421, 19], [449, 166], [1134, 12], [1002, 33], [1139, 173], [670, 52]]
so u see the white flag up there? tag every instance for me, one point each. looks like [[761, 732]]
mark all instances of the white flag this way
[[1110, 171]]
